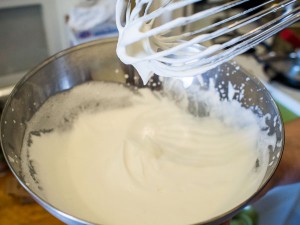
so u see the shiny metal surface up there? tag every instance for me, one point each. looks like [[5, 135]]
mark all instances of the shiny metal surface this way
[[98, 61]]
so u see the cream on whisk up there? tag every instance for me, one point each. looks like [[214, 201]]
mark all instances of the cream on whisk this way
[[151, 46], [144, 46]]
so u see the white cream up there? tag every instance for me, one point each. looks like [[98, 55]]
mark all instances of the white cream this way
[[144, 45], [142, 159]]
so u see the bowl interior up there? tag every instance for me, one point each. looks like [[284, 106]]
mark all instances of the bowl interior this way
[[97, 61]]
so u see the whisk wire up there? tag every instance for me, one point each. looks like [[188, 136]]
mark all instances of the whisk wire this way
[[227, 19], [184, 53], [204, 38], [241, 23], [208, 63], [181, 21]]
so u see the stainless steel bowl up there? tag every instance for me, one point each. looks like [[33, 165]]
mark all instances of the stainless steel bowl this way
[[98, 61]]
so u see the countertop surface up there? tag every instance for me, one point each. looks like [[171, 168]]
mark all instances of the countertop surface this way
[[17, 208]]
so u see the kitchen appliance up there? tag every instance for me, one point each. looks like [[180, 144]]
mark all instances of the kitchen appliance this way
[[29, 33], [282, 63], [98, 61]]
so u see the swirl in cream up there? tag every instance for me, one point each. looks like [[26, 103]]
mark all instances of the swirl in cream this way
[[147, 161]]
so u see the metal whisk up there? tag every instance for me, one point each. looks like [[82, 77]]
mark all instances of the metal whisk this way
[[192, 51]]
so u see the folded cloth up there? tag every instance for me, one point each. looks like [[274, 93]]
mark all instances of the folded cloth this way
[[280, 206], [90, 13]]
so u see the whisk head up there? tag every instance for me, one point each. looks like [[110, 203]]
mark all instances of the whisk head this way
[[208, 37]]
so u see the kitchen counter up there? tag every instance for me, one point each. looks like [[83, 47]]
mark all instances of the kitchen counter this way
[[17, 208]]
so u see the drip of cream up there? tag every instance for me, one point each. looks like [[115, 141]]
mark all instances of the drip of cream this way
[[144, 160]]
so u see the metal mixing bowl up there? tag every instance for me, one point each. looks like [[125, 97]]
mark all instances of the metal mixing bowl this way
[[98, 61]]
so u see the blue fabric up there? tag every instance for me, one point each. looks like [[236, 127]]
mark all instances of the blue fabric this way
[[280, 206]]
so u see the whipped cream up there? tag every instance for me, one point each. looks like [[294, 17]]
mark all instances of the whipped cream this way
[[116, 156]]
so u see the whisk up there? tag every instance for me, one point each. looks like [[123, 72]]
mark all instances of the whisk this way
[[151, 46]]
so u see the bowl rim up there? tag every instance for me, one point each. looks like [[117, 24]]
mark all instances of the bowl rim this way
[[59, 213]]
